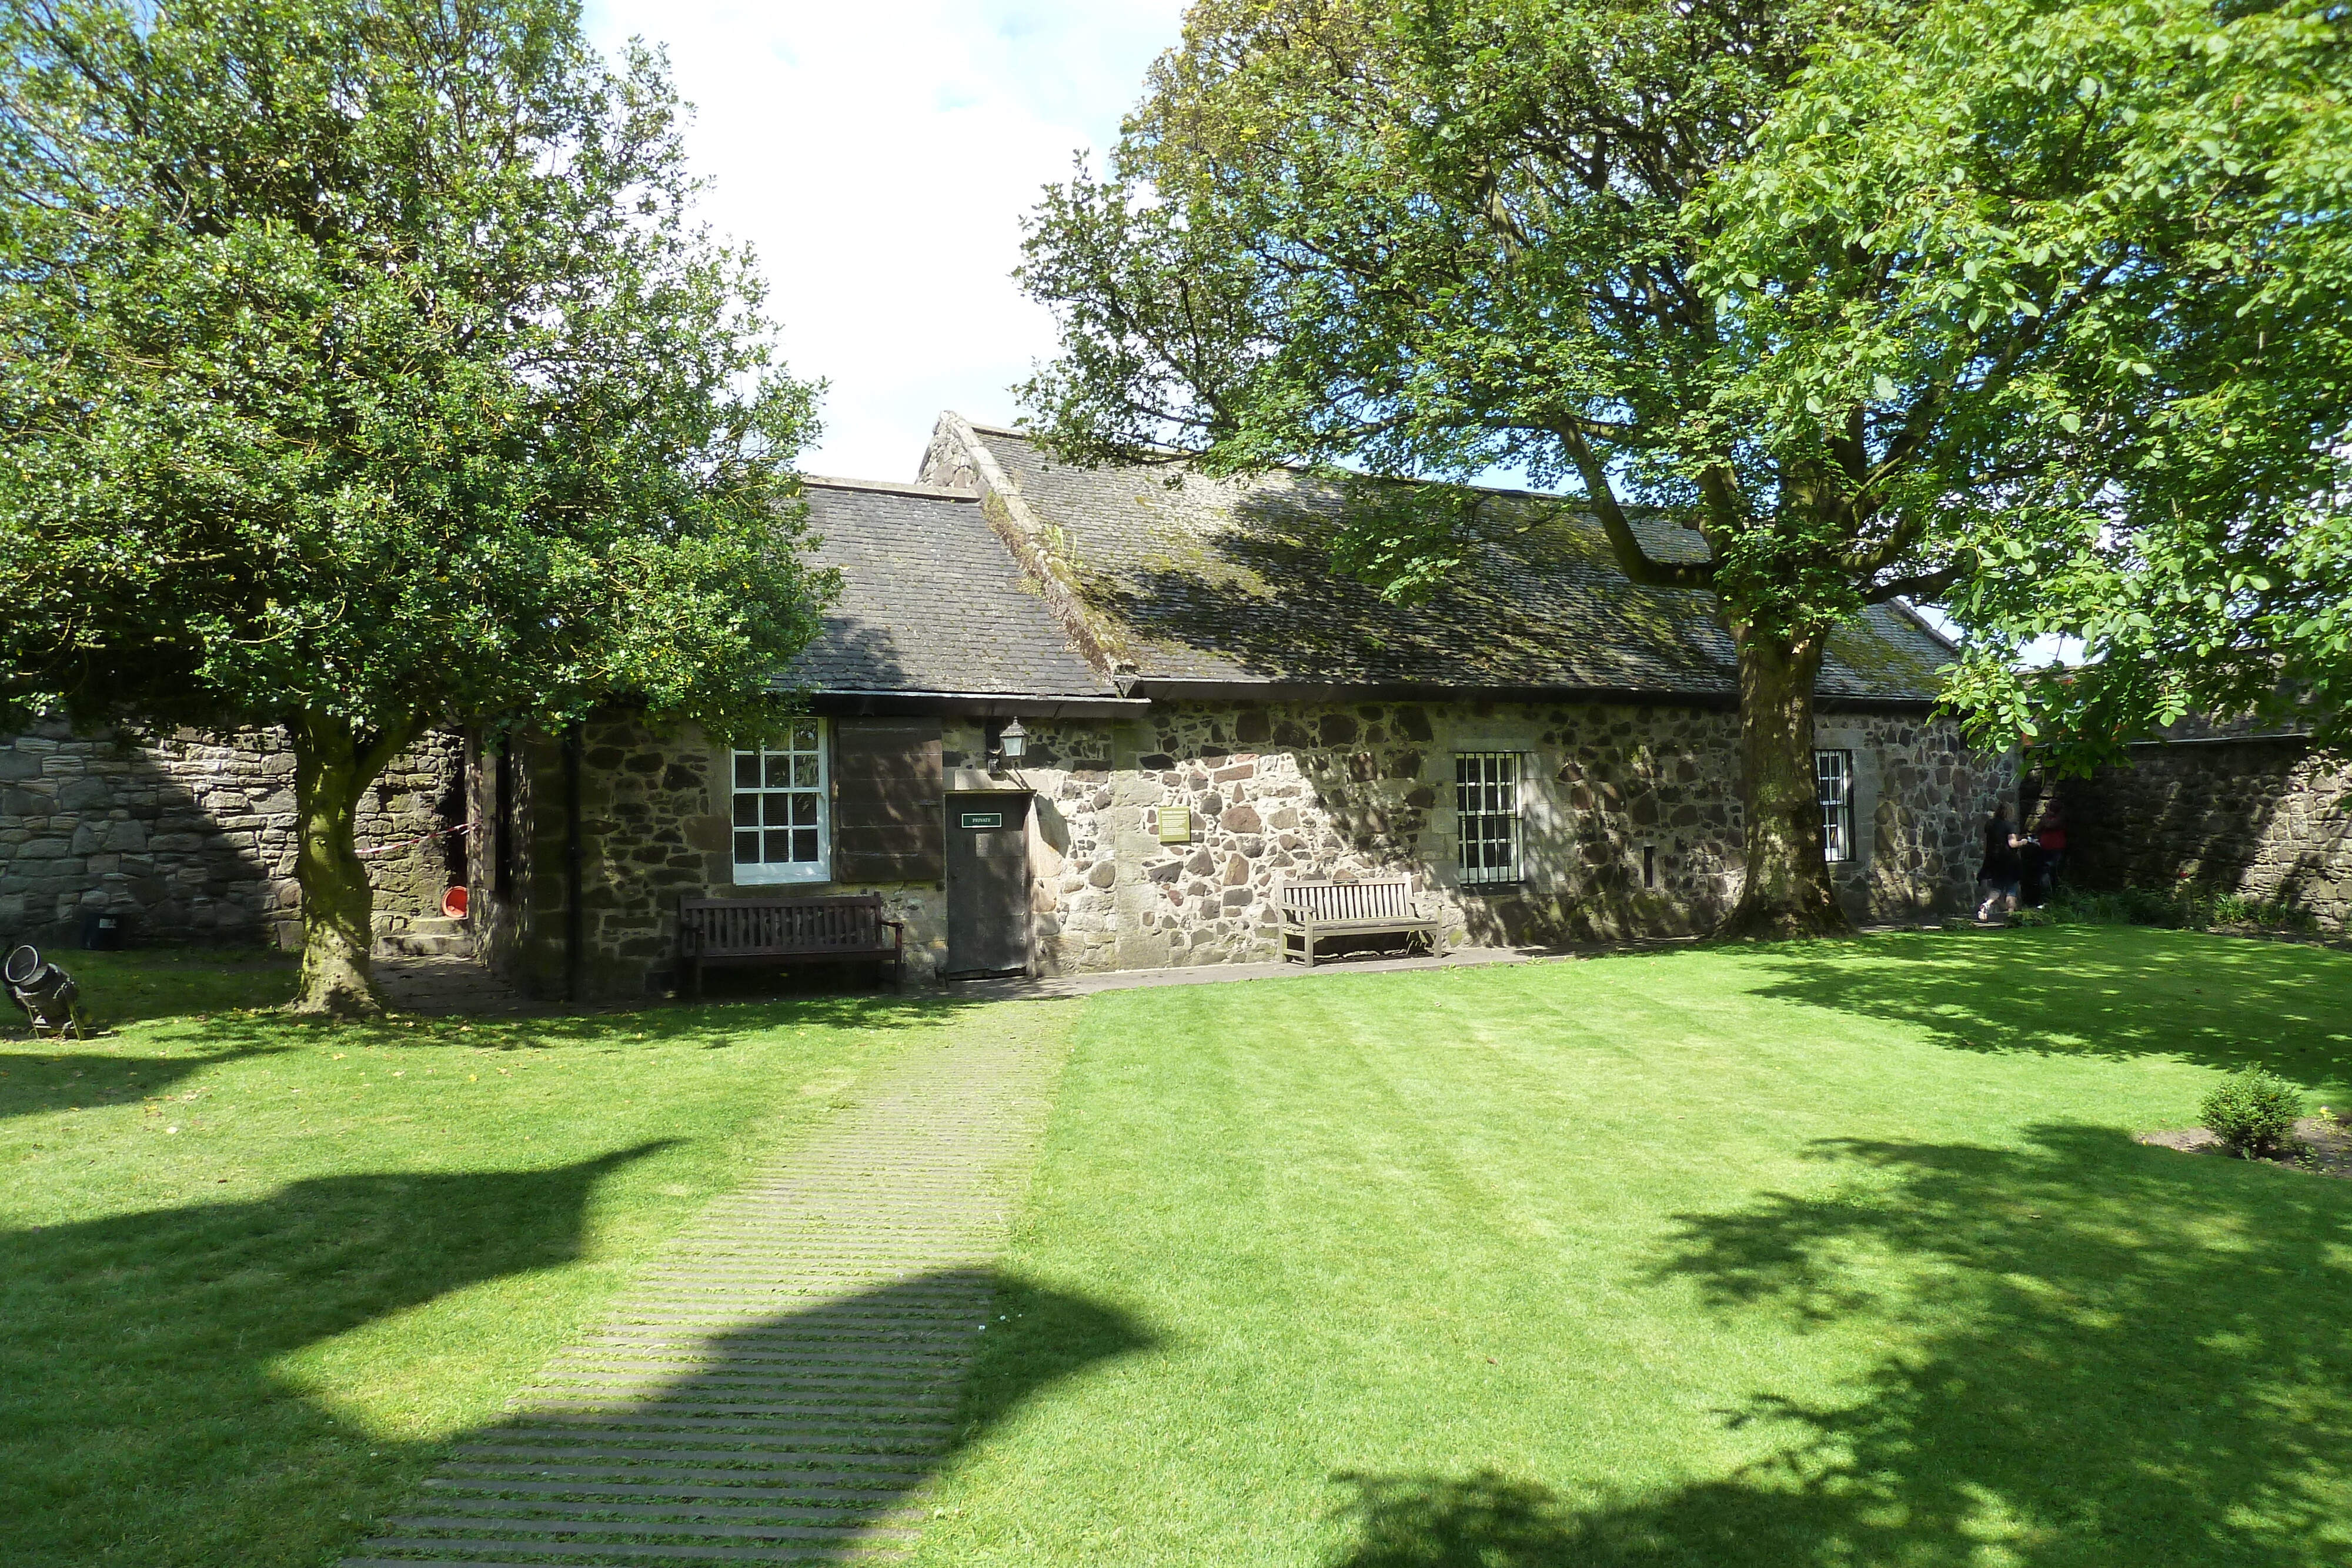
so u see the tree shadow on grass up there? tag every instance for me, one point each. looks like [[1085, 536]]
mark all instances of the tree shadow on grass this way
[[2100, 1355], [715, 1025], [37, 1079], [2093, 990], [142, 1415], [814, 1430]]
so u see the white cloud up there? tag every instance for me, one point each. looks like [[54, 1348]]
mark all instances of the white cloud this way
[[879, 156]]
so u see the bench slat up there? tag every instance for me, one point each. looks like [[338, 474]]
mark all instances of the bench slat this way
[[1378, 905], [752, 930]]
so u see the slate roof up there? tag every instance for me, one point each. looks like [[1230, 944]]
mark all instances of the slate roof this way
[[931, 602], [1215, 580]]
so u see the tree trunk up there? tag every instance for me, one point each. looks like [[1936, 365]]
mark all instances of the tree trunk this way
[[1788, 891], [330, 773]]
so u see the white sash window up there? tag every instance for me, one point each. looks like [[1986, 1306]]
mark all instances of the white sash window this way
[[783, 820]]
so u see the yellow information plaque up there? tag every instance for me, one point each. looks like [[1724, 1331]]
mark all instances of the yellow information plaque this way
[[1175, 824]]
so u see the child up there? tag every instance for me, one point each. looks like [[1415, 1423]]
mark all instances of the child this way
[[2002, 864]]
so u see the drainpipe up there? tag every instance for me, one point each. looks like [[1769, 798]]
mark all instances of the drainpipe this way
[[575, 912]]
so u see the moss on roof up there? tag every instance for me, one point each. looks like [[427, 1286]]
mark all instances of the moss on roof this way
[[1201, 578]]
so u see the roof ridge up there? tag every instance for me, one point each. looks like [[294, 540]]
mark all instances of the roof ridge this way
[[891, 486], [1303, 468]]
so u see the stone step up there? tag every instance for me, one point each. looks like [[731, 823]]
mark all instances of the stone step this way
[[414, 945]]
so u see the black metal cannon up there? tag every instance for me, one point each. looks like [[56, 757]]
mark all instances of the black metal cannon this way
[[44, 993]]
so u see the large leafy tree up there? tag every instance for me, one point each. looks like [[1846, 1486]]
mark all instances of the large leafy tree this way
[[1881, 299], [364, 373], [2209, 564]]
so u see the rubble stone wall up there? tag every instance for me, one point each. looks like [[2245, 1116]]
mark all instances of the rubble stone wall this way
[[1632, 820], [1631, 815], [2262, 817], [192, 836], [654, 828]]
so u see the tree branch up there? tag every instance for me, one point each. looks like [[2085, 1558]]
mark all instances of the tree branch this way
[[396, 737], [1927, 585], [1624, 543]]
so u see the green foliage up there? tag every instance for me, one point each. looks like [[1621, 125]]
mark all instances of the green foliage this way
[[364, 372], [2187, 906], [2200, 549], [362, 361], [2034, 305], [2252, 1113]]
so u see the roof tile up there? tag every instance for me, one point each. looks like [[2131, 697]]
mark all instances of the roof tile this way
[[931, 602]]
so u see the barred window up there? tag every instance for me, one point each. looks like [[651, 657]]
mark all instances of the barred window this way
[[1833, 772], [783, 822], [1486, 806]]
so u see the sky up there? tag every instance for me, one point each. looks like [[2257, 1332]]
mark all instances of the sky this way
[[878, 156]]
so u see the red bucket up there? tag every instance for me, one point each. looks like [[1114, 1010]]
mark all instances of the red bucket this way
[[453, 903]]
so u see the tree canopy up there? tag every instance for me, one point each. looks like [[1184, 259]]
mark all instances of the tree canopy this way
[[2164, 480], [1883, 298], [365, 371]]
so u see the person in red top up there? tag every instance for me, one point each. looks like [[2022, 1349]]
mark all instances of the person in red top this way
[[2052, 836]]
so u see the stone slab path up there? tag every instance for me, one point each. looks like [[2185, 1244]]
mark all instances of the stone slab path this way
[[449, 984], [781, 1386]]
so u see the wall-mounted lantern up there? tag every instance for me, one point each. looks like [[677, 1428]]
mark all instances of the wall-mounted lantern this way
[[1012, 742]]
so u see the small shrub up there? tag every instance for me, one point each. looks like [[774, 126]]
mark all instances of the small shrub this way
[[2185, 907], [2254, 1113], [2080, 906]]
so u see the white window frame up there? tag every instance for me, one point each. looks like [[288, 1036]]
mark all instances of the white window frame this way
[[1489, 814], [762, 761], [1833, 791]]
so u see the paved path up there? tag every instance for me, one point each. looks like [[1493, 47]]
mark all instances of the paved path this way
[[444, 986], [1048, 987], [782, 1385]]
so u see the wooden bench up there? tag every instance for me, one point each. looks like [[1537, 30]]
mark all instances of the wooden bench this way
[[784, 931], [1376, 907]]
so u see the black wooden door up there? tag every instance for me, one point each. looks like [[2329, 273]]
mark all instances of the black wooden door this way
[[988, 883]]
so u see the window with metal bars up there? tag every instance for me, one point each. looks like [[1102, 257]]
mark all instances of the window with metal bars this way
[[783, 818], [1486, 809], [1833, 772]]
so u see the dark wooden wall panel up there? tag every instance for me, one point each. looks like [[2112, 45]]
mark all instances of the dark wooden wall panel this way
[[888, 800]]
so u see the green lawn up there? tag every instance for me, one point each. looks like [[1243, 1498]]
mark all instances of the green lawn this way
[[1830, 1255], [253, 1273]]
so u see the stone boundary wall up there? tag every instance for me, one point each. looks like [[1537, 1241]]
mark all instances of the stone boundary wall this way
[[2262, 817], [191, 835]]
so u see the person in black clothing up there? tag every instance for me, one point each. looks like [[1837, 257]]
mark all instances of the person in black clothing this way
[[2002, 865]]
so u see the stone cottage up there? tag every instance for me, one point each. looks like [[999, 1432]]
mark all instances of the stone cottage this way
[[1550, 750]]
